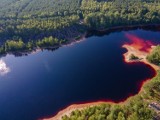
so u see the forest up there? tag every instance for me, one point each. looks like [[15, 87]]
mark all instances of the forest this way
[[154, 56], [31, 20]]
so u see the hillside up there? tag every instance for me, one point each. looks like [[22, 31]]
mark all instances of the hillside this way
[[28, 8], [32, 20]]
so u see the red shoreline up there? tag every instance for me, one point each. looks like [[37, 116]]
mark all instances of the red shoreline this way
[[82, 105]]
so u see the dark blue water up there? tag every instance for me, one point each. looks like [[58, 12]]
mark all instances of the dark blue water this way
[[41, 84]]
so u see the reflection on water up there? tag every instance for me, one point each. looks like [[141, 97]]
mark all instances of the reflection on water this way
[[3, 68], [138, 43]]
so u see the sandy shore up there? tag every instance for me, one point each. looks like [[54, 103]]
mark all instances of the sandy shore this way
[[140, 54], [67, 111]]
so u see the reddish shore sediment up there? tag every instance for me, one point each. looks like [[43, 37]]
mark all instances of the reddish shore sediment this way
[[130, 50], [67, 111], [138, 48], [140, 54]]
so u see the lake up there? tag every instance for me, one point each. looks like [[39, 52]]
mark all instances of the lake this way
[[40, 84]]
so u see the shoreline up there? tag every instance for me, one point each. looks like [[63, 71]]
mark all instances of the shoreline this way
[[129, 27], [130, 50], [72, 41], [69, 109], [140, 54], [82, 37]]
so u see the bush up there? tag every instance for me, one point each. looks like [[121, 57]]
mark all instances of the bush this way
[[133, 57], [154, 56]]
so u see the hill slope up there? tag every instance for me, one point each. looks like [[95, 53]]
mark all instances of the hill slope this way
[[33, 20], [18, 8]]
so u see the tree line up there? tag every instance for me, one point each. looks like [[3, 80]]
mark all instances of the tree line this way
[[19, 45], [154, 56], [32, 20]]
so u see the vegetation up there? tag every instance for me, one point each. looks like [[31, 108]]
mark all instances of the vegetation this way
[[32, 20], [19, 45], [31, 8], [103, 14], [133, 57], [154, 56]]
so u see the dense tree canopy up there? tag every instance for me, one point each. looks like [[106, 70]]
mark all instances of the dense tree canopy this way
[[32, 20], [120, 12], [154, 56], [41, 8]]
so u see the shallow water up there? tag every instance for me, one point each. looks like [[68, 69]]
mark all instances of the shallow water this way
[[43, 83]]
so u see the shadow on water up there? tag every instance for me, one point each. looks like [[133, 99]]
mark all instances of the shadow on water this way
[[90, 33], [153, 28]]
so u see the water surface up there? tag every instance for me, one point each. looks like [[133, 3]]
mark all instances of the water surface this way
[[41, 84]]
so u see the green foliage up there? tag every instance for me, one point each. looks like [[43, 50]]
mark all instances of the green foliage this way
[[154, 56], [136, 110], [14, 45], [50, 41], [40, 8], [153, 88], [19, 45], [36, 19], [103, 14], [133, 57], [78, 37]]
